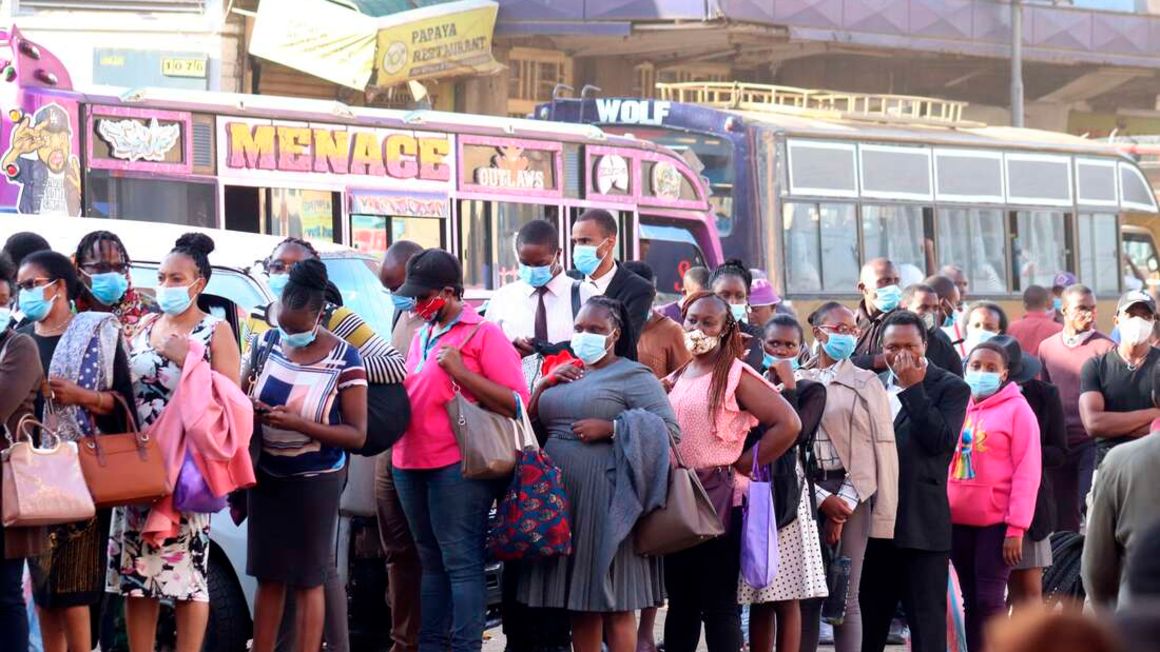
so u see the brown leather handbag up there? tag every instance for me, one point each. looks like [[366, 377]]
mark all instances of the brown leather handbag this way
[[687, 519], [126, 468]]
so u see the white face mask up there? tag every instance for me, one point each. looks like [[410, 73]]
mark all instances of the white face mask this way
[[1135, 330]]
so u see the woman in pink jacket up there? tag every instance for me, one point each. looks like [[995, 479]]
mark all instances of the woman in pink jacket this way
[[994, 480]]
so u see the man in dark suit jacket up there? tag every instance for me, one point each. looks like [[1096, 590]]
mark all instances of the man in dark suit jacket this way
[[594, 236], [929, 405]]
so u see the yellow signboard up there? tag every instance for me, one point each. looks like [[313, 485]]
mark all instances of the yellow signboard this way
[[442, 40], [183, 67], [316, 37]]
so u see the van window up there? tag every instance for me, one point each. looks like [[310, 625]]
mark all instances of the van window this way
[[1141, 261], [896, 232]]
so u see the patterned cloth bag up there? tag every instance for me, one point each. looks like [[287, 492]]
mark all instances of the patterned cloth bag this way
[[533, 515]]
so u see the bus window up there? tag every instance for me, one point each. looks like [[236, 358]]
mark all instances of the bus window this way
[[897, 232], [150, 200], [309, 214], [975, 239], [487, 239], [670, 250], [821, 240], [372, 234], [1097, 236], [1040, 247]]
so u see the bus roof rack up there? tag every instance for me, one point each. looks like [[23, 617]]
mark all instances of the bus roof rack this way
[[824, 104]]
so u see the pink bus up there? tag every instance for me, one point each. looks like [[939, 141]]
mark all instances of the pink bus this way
[[331, 172]]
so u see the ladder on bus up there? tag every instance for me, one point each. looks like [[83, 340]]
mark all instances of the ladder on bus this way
[[816, 103]]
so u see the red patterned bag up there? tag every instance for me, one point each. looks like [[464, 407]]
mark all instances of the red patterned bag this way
[[533, 515]]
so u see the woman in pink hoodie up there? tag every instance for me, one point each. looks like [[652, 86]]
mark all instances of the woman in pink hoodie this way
[[994, 480]]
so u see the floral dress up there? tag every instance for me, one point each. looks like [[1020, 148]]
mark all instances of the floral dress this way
[[177, 570]]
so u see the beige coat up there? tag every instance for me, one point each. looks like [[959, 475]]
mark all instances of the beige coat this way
[[857, 420]]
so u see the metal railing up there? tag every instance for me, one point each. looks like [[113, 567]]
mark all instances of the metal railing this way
[[876, 107]]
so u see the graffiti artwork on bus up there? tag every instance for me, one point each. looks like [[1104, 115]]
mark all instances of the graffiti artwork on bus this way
[[40, 160]]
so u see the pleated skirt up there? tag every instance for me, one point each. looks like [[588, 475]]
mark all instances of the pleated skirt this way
[[575, 583]]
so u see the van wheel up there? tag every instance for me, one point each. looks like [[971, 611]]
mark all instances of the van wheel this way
[[229, 627]]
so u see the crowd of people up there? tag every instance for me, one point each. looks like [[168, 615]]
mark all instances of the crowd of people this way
[[926, 447]]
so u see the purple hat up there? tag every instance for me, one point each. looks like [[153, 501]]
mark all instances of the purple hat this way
[[1064, 279], [761, 293]]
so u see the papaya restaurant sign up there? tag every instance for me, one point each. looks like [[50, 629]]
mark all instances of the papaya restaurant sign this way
[[441, 40], [312, 152]]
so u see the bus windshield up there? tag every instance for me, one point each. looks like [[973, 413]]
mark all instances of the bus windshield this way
[[711, 156]]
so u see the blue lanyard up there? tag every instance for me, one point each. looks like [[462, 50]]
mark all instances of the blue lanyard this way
[[429, 340]]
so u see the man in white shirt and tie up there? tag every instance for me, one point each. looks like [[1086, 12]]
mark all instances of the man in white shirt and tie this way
[[538, 308]]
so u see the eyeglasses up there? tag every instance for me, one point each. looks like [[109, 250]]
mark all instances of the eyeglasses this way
[[840, 329], [35, 283], [1082, 310], [102, 267], [275, 266]]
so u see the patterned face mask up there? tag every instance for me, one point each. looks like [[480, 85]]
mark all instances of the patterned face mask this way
[[698, 343]]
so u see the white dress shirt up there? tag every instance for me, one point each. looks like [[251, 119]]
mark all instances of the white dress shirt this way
[[601, 284], [513, 308]]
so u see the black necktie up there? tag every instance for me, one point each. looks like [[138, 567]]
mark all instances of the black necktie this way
[[541, 315]]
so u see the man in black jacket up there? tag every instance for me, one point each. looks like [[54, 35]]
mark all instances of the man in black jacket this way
[[594, 236], [878, 285], [923, 300], [928, 405]]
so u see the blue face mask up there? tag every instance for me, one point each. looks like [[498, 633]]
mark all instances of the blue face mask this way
[[1057, 304], [888, 298], [839, 347], [33, 304], [277, 283], [536, 277], [982, 383], [770, 360], [586, 259], [402, 303], [108, 288], [740, 312], [298, 340], [949, 321], [590, 347], [174, 300]]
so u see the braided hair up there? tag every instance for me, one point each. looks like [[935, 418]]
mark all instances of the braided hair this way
[[733, 267], [730, 350], [305, 244], [619, 316], [306, 288], [85, 247], [198, 247]]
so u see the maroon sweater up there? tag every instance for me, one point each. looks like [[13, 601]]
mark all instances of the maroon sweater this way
[[1061, 367]]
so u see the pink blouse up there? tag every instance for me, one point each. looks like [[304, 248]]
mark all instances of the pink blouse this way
[[707, 441]]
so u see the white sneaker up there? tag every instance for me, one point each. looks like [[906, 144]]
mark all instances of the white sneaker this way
[[826, 634]]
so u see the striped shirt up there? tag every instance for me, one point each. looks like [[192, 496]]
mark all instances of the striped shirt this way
[[313, 392], [384, 364]]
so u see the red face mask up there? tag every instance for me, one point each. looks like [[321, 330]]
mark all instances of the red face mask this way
[[429, 310]]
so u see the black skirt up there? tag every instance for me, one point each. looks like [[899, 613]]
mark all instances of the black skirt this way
[[292, 528]]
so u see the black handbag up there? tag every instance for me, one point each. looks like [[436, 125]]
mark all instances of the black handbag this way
[[388, 415]]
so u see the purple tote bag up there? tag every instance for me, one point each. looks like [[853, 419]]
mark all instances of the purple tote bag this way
[[192, 494], [759, 556]]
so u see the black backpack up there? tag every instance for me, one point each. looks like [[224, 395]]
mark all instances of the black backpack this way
[[388, 407]]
